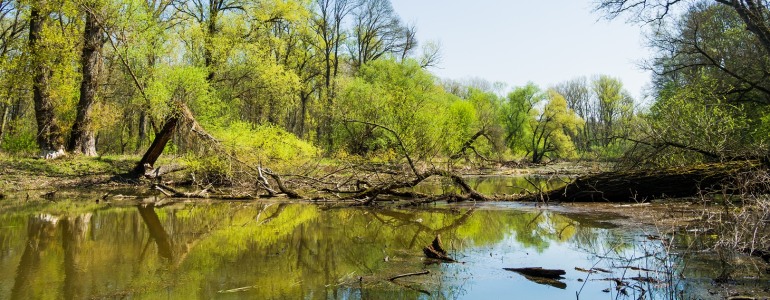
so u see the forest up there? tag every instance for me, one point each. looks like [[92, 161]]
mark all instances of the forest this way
[[279, 80], [285, 82]]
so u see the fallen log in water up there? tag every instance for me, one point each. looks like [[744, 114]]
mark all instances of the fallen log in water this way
[[643, 185], [539, 272]]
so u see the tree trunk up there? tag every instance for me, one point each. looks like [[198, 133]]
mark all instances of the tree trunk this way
[[156, 148], [142, 129], [4, 121], [82, 139], [49, 137]]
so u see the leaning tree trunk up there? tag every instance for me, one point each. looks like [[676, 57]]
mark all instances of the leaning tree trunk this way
[[49, 137], [640, 186], [156, 148], [82, 139]]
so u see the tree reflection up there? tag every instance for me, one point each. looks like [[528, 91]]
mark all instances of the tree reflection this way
[[41, 230], [157, 232], [74, 232], [264, 250]]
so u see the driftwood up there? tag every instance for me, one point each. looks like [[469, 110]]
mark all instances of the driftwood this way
[[636, 186], [539, 272], [202, 194], [436, 251], [281, 186], [542, 276]]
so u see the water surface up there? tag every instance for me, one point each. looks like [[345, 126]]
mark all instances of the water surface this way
[[76, 248]]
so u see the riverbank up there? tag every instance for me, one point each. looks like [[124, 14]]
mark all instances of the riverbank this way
[[33, 174]]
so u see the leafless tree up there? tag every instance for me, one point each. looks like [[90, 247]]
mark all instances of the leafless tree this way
[[377, 31]]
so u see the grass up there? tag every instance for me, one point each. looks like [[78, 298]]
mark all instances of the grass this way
[[66, 166]]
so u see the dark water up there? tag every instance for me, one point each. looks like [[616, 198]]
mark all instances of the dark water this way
[[77, 249]]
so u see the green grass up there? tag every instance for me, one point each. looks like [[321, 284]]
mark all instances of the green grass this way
[[69, 165]]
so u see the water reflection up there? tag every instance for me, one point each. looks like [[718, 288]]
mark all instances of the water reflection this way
[[287, 251], [497, 185]]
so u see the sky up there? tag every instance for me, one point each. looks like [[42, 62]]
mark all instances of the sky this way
[[516, 41]]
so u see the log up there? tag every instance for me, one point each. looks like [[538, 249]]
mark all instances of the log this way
[[643, 185], [156, 148], [539, 272]]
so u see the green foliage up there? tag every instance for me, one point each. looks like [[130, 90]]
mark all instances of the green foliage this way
[[264, 143], [397, 95], [517, 110], [243, 147], [551, 129], [697, 116], [252, 72]]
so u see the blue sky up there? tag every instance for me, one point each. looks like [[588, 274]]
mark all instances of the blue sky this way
[[514, 41]]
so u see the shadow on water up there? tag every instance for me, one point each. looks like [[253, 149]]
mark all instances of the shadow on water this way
[[269, 250]]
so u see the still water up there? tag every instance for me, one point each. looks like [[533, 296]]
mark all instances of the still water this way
[[78, 249]]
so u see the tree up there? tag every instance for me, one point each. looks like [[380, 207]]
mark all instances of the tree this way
[[579, 98], [753, 13], [517, 110], [208, 15], [12, 28], [398, 95], [551, 129], [377, 31], [49, 135], [708, 66], [614, 107], [82, 138]]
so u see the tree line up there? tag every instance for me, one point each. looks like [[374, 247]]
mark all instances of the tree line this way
[[103, 76]]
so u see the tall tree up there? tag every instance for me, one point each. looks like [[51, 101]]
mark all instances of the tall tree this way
[[579, 98], [377, 30], [551, 129], [49, 135], [82, 137], [12, 27], [207, 13], [613, 106], [516, 112]]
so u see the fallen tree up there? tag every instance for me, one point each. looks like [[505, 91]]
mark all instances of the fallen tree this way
[[644, 185]]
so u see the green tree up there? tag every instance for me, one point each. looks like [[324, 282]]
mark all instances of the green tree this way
[[517, 111], [551, 129], [398, 95]]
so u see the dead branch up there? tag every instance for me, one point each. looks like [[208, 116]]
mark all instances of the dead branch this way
[[202, 194], [264, 184], [281, 187]]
